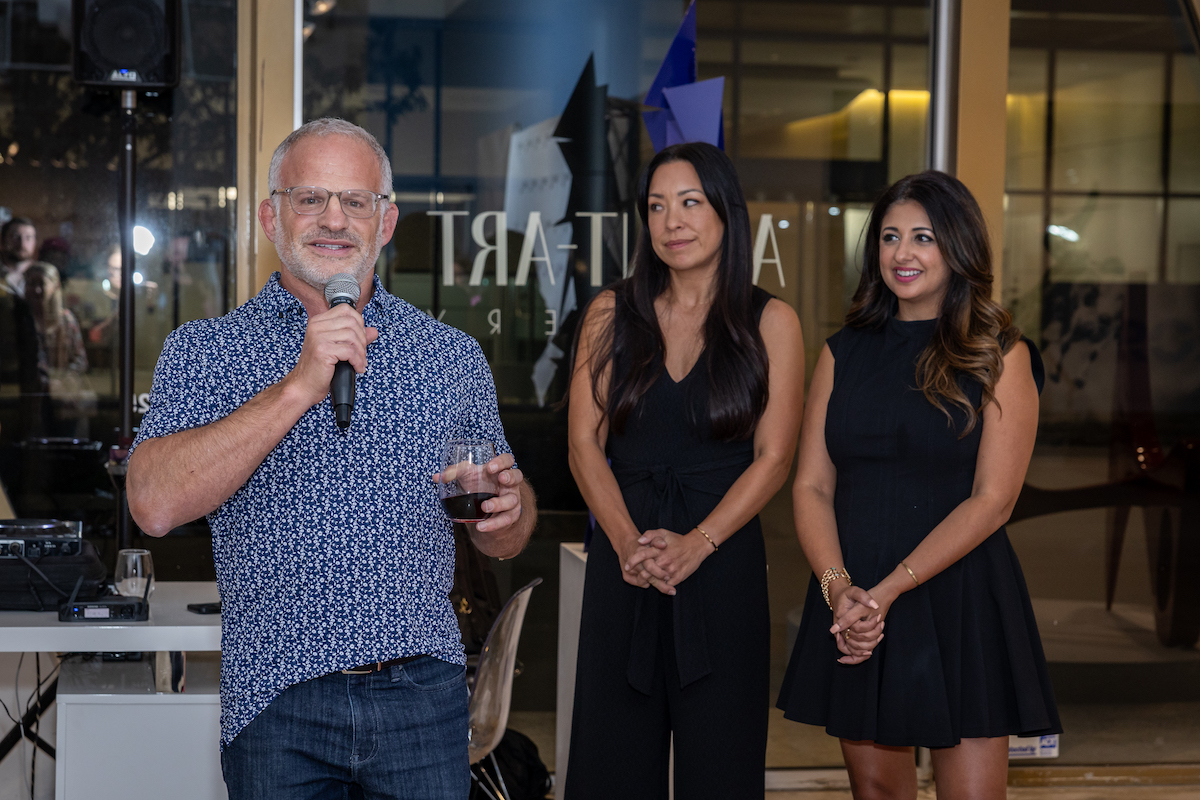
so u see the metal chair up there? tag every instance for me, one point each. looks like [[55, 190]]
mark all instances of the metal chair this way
[[491, 694]]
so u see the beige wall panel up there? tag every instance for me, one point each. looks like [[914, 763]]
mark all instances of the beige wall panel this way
[[267, 109], [982, 87]]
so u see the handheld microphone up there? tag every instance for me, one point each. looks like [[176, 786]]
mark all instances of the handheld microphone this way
[[342, 288]]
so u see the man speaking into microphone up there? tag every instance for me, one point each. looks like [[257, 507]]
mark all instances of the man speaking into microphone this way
[[341, 662]]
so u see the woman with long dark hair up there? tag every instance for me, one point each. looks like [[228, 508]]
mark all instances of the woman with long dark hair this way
[[690, 380], [919, 429]]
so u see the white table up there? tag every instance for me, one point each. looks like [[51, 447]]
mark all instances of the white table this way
[[572, 564], [572, 568], [116, 736], [170, 627]]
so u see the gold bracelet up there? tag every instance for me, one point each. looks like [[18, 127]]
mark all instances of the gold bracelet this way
[[706, 536], [911, 574], [830, 575]]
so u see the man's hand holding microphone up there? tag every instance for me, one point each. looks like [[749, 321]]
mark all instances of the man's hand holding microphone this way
[[335, 348]]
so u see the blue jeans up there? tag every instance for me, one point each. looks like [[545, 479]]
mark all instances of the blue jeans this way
[[400, 734]]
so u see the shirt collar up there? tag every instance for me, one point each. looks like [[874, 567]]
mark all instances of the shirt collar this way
[[275, 300], [381, 306]]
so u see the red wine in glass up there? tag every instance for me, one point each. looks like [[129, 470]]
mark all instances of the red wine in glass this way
[[466, 507], [465, 482]]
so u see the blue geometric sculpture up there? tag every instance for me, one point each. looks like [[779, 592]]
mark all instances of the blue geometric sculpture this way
[[689, 111]]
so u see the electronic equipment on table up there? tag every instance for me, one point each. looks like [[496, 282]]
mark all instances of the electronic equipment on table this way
[[113, 607], [34, 538], [41, 559]]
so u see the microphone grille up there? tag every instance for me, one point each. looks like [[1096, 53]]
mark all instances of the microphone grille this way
[[342, 285]]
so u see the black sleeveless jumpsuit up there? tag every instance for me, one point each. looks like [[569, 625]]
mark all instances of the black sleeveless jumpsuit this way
[[696, 664]]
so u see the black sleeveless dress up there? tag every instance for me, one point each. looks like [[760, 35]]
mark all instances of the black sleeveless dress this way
[[696, 664], [962, 657]]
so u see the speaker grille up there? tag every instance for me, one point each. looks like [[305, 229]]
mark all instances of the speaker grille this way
[[126, 34], [128, 43]]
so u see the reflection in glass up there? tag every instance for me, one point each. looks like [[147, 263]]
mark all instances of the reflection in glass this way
[[1185, 124], [908, 109], [1104, 239], [1022, 272], [1183, 241], [910, 21], [815, 101], [1025, 138], [840, 18], [1108, 118], [713, 50], [853, 223]]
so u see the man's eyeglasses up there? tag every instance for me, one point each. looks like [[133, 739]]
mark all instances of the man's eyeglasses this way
[[312, 200]]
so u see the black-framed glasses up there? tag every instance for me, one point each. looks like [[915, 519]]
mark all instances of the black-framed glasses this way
[[312, 200]]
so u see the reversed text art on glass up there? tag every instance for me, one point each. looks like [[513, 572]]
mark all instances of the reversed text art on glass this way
[[535, 238]]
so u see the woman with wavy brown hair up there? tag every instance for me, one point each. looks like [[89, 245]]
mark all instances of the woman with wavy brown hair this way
[[919, 429]]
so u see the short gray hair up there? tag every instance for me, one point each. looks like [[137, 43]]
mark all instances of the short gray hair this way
[[329, 126]]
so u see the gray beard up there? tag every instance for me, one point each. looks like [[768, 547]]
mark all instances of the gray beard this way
[[317, 275]]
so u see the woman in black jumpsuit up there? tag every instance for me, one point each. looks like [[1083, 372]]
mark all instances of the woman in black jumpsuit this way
[[689, 381]]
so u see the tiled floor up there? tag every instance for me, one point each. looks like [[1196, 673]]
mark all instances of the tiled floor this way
[[1100, 793], [1124, 699], [1100, 733]]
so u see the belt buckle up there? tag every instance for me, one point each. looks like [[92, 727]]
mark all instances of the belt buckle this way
[[378, 667]]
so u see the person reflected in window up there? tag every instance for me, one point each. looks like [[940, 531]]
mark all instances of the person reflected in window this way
[[19, 372], [690, 380], [103, 313], [100, 311], [57, 251], [61, 356], [920, 425], [18, 251], [58, 330]]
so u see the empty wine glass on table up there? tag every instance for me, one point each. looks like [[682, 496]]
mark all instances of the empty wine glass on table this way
[[135, 568], [465, 482]]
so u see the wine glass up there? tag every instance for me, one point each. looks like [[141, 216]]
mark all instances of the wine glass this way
[[465, 482], [134, 568]]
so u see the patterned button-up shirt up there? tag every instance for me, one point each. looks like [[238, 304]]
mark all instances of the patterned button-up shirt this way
[[336, 551]]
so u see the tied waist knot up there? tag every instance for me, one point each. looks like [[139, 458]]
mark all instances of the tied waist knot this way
[[670, 487], [663, 476]]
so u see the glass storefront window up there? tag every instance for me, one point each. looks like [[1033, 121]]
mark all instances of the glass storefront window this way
[[1183, 241], [908, 110], [1026, 129], [1103, 239], [507, 119], [834, 18], [1184, 173], [59, 144], [1024, 237], [830, 106], [1101, 269], [1108, 122]]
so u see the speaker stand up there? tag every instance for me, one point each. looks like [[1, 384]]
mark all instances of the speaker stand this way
[[126, 214]]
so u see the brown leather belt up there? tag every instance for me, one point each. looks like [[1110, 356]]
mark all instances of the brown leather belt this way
[[380, 666]]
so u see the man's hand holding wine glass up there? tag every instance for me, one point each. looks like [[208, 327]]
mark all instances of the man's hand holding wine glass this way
[[480, 488]]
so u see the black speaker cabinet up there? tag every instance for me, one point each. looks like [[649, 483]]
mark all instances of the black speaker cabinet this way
[[127, 44]]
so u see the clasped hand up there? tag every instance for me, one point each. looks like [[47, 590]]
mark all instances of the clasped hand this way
[[663, 559], [858, 621]]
